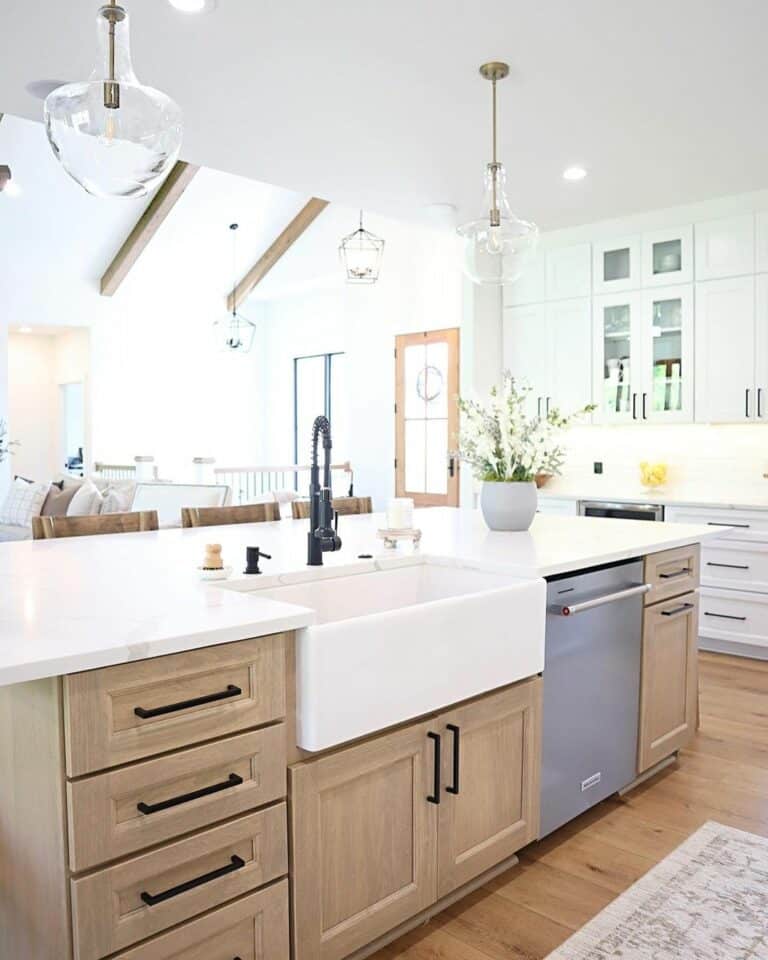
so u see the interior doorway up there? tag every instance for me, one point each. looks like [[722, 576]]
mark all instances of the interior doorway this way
[[72, 427], [427, 417]]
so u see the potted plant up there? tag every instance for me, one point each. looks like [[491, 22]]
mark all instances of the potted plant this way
[[507, 449], [6, 445]]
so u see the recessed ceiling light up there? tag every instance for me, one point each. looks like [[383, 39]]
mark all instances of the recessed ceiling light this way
[[193, 6], [574, 173], [25, 329]]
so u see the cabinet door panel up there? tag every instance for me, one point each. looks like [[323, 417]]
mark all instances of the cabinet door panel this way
[[761, 242], [761, 347], [725, 344], [617, 357], [527, 353], [532, 285], [364, 839], [668, 256], [616, 265], [725, 247], [669, 684], [569, 325], [569, 272], [496, 809], [668, 366]]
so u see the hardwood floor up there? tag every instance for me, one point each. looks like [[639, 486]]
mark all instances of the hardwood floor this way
[[566, 879]]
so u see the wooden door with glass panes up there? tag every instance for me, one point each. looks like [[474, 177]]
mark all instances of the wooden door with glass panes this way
[[427, 417]]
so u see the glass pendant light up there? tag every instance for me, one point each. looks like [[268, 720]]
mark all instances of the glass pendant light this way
[[361, 253], [236, 332], [113, 135], [498, 245]]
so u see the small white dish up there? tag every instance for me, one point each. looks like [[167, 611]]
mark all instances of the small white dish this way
[[223, 574]]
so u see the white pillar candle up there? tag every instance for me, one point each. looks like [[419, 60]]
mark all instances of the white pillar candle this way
[[400, 513]]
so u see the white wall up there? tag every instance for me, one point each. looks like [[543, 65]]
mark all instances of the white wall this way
[[37, 366]]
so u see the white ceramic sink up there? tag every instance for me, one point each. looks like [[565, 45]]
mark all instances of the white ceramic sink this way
[[393, 644]]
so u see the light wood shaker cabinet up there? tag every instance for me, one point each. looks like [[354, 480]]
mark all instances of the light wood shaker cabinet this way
[[669, 672], [380, 833]]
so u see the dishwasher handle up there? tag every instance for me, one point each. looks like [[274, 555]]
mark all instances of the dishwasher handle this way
[[574, 608]]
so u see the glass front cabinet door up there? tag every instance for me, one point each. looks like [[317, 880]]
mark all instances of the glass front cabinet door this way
[[616, 265], [667, 351], [616, 362], [668, 257]]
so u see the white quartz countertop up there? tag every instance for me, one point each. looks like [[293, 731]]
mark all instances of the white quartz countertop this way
[[86, 602]]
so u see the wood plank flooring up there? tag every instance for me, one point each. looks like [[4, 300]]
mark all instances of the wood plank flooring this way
[[565, 880]]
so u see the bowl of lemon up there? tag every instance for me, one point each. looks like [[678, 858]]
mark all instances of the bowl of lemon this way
[[653, 475]]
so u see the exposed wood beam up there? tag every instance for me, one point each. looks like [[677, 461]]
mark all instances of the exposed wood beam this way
[[149, 223], [303, 219]]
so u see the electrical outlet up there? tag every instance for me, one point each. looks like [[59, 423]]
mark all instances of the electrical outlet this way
[[598, 466]]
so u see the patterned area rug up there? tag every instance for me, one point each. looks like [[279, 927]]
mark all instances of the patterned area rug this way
[[708, 900]]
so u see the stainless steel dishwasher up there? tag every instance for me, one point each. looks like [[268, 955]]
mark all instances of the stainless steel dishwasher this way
[[591, 688]]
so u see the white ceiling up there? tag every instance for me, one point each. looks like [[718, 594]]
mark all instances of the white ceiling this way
[[379, 103]]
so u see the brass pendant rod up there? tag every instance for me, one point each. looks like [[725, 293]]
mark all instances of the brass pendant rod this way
[[494, 168]]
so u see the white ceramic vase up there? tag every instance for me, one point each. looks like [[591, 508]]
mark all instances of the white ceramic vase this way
[[508, 506]]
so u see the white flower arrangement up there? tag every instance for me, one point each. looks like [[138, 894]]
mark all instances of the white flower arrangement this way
[[6, 445], [502, 444]]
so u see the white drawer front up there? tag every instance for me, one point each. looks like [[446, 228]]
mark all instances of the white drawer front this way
[[733, 616], [749, 525], [734, 564]]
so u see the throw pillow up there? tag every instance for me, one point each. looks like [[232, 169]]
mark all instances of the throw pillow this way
[[57, 501], [23, 501], [118, 498], [86, 501]]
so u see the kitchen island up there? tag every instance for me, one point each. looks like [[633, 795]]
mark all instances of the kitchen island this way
[[149, 756]]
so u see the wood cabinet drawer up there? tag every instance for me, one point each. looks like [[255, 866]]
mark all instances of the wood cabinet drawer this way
[[135, 710], [130, 901], [118, 813], [744, 524], [671, 573], [253, 928], [734, 564], [734, 616]]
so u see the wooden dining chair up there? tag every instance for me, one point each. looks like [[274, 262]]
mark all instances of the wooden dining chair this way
[[344, 506], [214, 516], [52, 528]]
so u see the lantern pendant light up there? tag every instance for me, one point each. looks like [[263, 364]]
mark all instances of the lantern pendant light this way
[[113, 135], [498, 245], [236, 331], [361, 253]]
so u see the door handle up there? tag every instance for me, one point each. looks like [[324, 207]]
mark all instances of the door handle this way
[[746, 402], [538, 407], [546, 406], [231, 691], [451, 467], [677, 573], [738, 526], [729, 566], [575, 608], [434, 797], [454, 787], [634, 406], [760, 401], [723, 616], [675, 610], [645, 406], [148, 808], [151, 899]]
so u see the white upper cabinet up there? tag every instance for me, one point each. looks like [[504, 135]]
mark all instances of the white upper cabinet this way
[[725, 248], [725, 351], [549, 346], [761, 240], [569, 272], [761, 347], [616, 357], [668, 257], [532, 284], [616, 265], [569, 329], [667, 363], [526, 351]]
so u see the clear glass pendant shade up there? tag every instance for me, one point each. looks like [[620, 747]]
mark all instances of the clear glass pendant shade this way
[[113, 135], [499, 245], [235, 333]]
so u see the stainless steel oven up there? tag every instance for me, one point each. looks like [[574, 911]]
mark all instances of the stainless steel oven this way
[[621, 511]]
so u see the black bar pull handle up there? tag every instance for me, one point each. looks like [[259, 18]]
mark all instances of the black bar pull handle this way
[[738, 526], [729, 566], [645, 406], [746, 402], [434, 797], [152, 899], [634, 406], [759, 401], [723, 616], [454, 787], [147, 808], [680, 609], [231, 691], [677, 573]]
